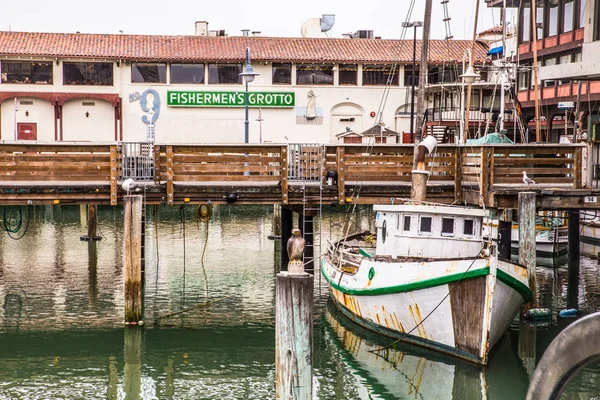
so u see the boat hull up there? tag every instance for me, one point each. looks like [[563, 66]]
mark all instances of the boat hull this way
[[459, 307]]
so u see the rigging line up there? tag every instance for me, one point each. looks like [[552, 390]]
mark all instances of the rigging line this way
[[428, 315]]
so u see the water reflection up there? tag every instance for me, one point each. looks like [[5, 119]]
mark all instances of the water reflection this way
[[62, 336]]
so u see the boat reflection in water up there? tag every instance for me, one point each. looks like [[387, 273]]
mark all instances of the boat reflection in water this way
[[410, 372]]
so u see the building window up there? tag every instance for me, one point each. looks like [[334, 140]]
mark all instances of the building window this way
[[408, 75], [224, 74], [469, 227], [568, 16], [425, 226], [380, 75], [26, 72], [526, 22], [187, 73], [565, 59], [553, 18], [548, 83], [577, 56], [447, 226], [148, 73], [581, 14], [406, 223], [348, 74], [87, 73], [597, 22], [539, 19], [314, 74], [379, 139], [282, 73], [550, 61]]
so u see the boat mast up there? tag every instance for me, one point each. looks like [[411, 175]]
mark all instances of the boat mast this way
[[469, 87]]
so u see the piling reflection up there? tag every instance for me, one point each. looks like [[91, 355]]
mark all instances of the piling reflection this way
[[132, 353], [410, 372]]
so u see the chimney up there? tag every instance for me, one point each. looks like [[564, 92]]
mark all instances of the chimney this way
[[245, 32], [201, 28], [256, 33]]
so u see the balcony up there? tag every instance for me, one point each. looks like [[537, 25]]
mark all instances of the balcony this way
[[452, 114], [553, 44]]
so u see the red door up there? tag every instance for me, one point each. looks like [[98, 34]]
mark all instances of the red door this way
[[27, 131]]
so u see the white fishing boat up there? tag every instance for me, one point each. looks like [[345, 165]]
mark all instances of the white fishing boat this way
[[589, 233], [427, 278]]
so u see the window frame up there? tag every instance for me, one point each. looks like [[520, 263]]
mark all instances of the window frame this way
[[448, 234], [281, 67], [184, 66], [472, 234], [409, 218], [239, 81], [423, 232], [28, 80], [351, 67], [326, 69], [157, 64], [384, 70], [86, 81]]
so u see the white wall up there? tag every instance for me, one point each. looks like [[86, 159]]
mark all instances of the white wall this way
[[99, 124], [41, 113]]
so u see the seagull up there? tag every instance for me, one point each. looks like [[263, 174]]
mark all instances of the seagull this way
[[527, 180], [130, 185]]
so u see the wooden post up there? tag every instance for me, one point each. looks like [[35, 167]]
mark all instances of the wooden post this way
[[485, 174], [113, 175], [92, 221], [458, 175], [286, 233], [418, 190], [527, 241], [573, 235], [132, 257], [93, 275], [294, 336], [170, 175], [504, 234], [83, 217], [341, 170], [132, 371], [284, 176]]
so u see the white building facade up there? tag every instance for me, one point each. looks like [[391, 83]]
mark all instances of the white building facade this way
[[187, 89]]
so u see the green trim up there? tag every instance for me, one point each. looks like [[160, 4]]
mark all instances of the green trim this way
[[363, 252], [589, 240], [408, 287], [515, 284]]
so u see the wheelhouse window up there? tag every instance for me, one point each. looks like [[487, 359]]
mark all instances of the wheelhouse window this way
[[406, 223], [380, 75], [148, 73], [447, 226], [27, 72], [224, 74], [187, 73], [425, 225], [314, 74], [469, 227], [348, 74], [87, 73], [282, 73]]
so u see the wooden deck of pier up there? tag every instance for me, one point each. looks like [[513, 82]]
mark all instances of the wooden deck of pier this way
[[490, 175]]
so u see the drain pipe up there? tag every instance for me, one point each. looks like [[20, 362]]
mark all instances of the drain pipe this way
[[420, 175]]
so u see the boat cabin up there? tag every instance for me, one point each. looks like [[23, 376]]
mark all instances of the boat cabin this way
[[428, 231]]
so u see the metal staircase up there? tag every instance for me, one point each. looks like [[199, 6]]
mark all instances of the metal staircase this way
[[306, 166]]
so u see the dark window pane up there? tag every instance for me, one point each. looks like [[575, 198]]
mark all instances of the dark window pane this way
[[348, 74], [314, 74], [282, 73], [447, 226], [425, 224], [187, 73], [87, 73], [380, 74], [408, 75], [26, 72], [469, 227], [407, 222], [225, 74], [149, 72]]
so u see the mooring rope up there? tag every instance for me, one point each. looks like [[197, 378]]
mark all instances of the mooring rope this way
[[203, 213], [12, 222]]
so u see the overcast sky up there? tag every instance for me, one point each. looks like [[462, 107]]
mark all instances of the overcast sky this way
[[271, 17]]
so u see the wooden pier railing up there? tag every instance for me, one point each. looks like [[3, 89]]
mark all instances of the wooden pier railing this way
[[471, 172]]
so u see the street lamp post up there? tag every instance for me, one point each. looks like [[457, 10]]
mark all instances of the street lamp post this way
[[415, 25], [248, 75]]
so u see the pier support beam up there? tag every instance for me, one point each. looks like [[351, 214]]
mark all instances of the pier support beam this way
[[294, 335], [527, 241], [504, 234], [92, 221], [573, 235], [132, 257], [286, 232]]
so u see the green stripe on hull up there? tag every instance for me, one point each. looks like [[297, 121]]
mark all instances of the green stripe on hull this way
[[429, 344], [589, 240], [509, 280], [408, 287]]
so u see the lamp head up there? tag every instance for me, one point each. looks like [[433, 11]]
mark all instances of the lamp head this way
[[470, 76], [249, 73]]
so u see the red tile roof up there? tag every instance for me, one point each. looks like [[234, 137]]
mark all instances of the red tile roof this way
[[493, 30], [228, 48]]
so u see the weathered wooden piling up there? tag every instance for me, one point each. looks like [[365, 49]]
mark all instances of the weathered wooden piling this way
[[527, 241], [132, 371], [573, 235], [93, 275], [92, 221], [286, 233], [294, 335], [504, 234], [419, 185], [132, 257]]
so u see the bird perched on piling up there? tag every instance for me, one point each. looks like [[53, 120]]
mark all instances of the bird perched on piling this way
[[527, 180], [130, 185], [295, 250]]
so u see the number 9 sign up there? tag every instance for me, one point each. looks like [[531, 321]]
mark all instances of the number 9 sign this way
[[150, 95]]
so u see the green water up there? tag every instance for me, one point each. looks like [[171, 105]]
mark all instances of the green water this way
[[62, 334]]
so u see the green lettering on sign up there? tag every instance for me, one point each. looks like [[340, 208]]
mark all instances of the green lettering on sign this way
[[230, 99]]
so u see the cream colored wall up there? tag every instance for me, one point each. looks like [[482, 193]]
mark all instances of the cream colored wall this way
[[41, 113], [98, 126]]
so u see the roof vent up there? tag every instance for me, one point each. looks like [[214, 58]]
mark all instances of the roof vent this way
[[201, 28], [245, 32]]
